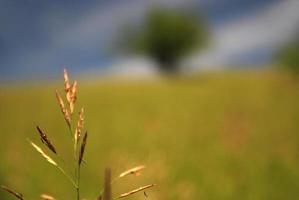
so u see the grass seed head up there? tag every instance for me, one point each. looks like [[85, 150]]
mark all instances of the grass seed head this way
[[64, 111], [67, 85], [48, 158], [14, 193], [46, 197], [73, 96], [80, 125], [134, 171], [70, 91], [45, 140], [135, 191], [82, 148]]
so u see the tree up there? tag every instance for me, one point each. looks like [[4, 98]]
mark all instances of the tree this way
[[288, 56], [167, 36]]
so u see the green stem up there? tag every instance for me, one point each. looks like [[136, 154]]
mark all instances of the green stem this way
[[70, 128], [78, 183], [68, 177], [65, 166]]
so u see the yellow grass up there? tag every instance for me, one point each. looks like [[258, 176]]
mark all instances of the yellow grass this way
[[229, 135]]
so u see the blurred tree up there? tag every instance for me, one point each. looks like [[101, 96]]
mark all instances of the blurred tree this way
[[167, 36], [288, 56]]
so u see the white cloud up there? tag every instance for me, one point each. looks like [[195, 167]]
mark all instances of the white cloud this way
[[101, 23], [136, 67], [95, 26], [92, 31], [267, 29]]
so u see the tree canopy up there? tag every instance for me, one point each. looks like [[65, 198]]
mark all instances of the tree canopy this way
[[169, 35], [288, 56]]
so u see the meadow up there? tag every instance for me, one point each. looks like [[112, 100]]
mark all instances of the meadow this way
[[225, 135]]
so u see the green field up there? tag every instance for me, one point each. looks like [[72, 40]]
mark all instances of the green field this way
[[227, 135]]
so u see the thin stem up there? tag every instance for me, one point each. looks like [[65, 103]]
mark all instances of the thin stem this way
[[70, 128], [76, 164], [68, 177], [65, 166], [78, 183]]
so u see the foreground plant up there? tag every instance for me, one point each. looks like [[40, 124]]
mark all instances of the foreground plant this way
[[79, 142]]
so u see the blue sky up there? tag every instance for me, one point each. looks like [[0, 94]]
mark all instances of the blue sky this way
[[38, 38]]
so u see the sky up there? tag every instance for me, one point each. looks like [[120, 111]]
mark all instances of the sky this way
[[38, 38]]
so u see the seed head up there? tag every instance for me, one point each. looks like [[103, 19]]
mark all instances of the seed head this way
[[135, 191], [14, 193], [48, 158], [45, 140], [73, 96], [135, 171], [64, 111], [46, 197], [82, 148]]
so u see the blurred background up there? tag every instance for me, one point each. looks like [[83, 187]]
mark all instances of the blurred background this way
[[203, 92]]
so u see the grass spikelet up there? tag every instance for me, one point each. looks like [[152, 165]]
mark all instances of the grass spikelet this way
[[135, 191], [14, 193], [67, 85], [73, 97], [45, 140], [48, 158], [63, 109], [135, 171], [80, 126], [81, 154], [70, 91], [46, 197]]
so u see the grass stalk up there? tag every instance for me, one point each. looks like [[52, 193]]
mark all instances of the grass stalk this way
[[67, 176], [107, 184], [74, 174]]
